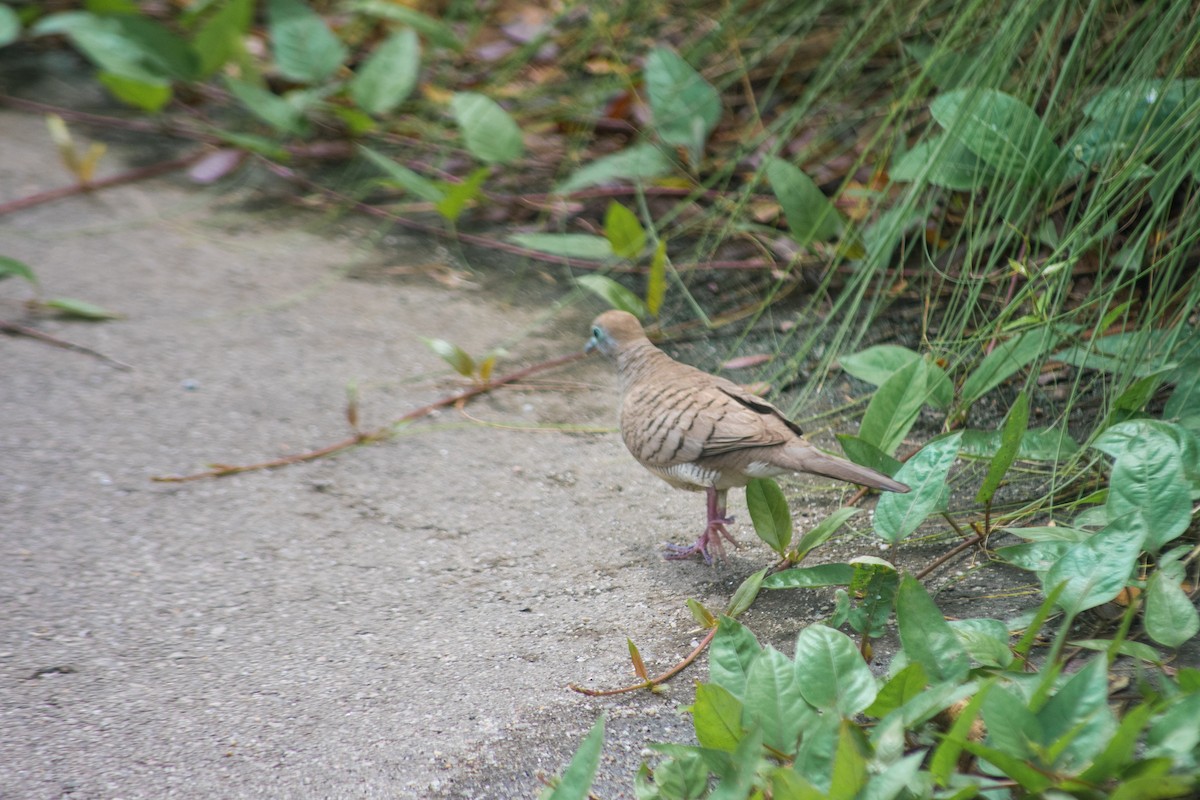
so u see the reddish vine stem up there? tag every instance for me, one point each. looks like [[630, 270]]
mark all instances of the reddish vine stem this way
[[131, 176], [379, 434], [13, 329], [949, 554], [651, 682]]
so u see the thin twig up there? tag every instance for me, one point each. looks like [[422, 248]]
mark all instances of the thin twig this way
[[379, 434], [949, 554], [15, 329], [651, 682], [131, 176]]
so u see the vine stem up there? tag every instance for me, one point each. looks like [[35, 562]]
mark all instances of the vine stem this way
[[652, 682], [130, 176], [15, 329], [379, 434]]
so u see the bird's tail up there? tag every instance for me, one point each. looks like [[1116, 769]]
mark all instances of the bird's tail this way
[[810, 459]]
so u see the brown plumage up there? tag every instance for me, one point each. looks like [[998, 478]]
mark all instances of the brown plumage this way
[[704, 433]]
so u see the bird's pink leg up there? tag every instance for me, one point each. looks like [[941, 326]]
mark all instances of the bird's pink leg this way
[[714, 531]]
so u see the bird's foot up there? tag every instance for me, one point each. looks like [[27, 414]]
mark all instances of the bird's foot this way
[[708, 544]]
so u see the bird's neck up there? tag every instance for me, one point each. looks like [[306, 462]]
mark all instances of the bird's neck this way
[[635, 361]]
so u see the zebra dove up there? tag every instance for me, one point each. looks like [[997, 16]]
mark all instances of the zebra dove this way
[[704, 433]]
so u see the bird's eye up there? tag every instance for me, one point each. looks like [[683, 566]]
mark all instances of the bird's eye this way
[[597, 333]]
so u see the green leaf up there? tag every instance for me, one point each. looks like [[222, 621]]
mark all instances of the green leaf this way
[[1137, 353], [453, 355], [639, 163], [656, 281], [570, 245], [730, 655], [612, 292], [219, 38], [704, 618], [1004, 132], [831, 673], [389, 74], [744, 597], [1170, 617], [160, 50], [773, 701], [818, 747], [684, 777], [1077, 718], [929, 703], [867, 454], [1137, 395], [898, 515], [946, 755], [849, 774], [455, 196], [490, 133], [267, 106], [1138, 650], [1012, 727], [926, 636], [820, 533], [735, 782], [635, 656], [623, 231], [788, 785], [1119, 751], [358, 122], [11, 266], [894, 407], [985, 640], [945, 162], [255, 144], [894, 780], [810, 215], [717, 716], [1034, 556], [1008, 357], [770, 513], [1156, 787], [305, 49], [577, 779], [875, 583], [1033, 627], [1038, 444], [404, 177], [1185, 399], [1030, 779], [146, 95], [876, 364], [1175, 733], [898, 690], [686, 108], [1148, 482], [80, 309], [1096, 570], [809, 577], [10, 25], [1050, 533], [103, 41], [1012, 432], [1118, 438], [433, 29]]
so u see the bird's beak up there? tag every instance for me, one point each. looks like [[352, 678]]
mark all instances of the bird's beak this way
[[591, 345]]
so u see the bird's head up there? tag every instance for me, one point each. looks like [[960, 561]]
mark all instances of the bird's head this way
[[612, 331]]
